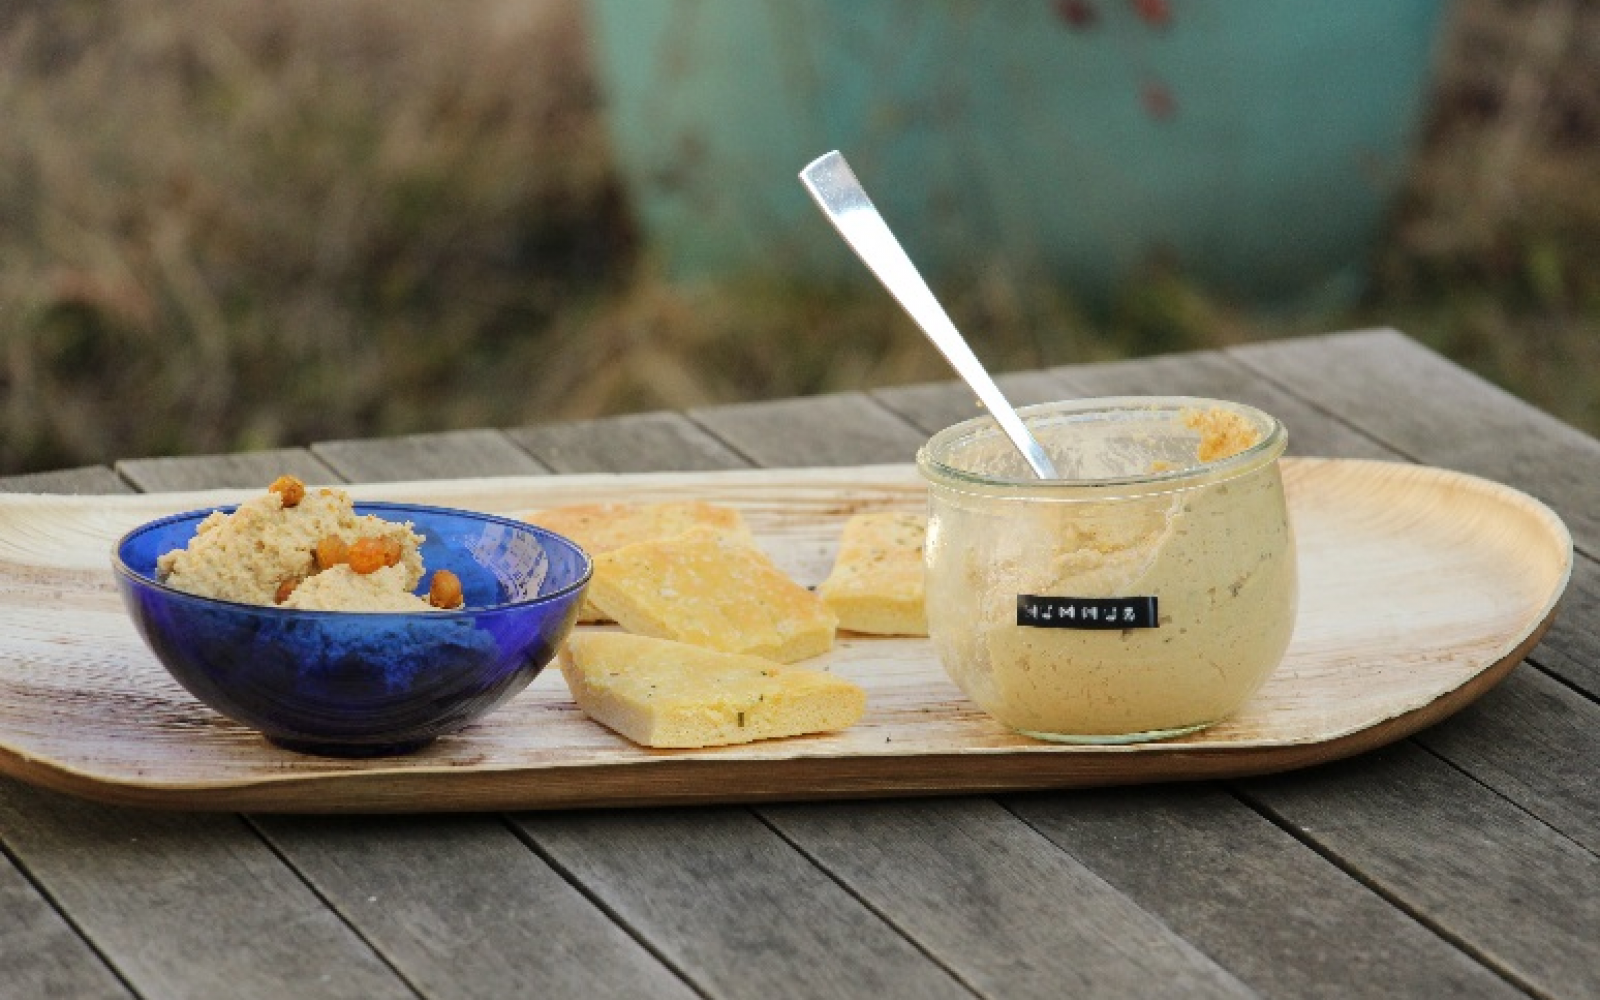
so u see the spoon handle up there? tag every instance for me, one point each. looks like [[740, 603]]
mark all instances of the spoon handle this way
[[840, 196]]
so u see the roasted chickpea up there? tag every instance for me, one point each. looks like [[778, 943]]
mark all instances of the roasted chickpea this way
[[331, 551], [290, 489], [368, 555], [444, 590]]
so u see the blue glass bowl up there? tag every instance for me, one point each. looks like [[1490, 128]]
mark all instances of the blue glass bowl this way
[[352, 684]]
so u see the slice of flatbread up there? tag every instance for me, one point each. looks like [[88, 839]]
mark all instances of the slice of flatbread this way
[[669, 694], [602, 527], [708, 590], [876, 582]]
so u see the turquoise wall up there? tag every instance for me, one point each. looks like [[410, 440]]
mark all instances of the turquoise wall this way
[[1257, 144]]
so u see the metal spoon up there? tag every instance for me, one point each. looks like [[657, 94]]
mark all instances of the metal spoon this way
[[840, 196]]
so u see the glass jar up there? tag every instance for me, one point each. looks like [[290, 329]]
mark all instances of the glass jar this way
[[1145, 594]]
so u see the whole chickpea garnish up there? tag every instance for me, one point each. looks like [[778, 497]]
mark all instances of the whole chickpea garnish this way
[[290, 489], [331, 551], [368, 555], [444, 590]]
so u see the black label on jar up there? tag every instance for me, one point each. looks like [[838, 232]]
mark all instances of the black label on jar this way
[[1035, 611]]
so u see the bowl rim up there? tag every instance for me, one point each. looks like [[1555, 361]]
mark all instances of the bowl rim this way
[[126, 572]]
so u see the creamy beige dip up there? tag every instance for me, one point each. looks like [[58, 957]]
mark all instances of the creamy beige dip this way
[[1218, 555], [266, 547], [340, 588]]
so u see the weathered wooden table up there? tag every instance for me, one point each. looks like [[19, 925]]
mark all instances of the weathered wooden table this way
[[1462, 862]]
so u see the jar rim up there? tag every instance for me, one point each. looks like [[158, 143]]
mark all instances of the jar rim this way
[[933, 465]]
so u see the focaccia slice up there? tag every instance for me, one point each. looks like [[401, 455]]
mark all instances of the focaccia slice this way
[[602, 527], [661, 693], [707, 590], [876, 582]]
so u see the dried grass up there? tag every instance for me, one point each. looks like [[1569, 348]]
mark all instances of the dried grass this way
[[1493, 256], [236, 224], [227, 225]]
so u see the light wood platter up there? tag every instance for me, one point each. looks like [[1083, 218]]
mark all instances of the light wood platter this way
[[1420, 589]]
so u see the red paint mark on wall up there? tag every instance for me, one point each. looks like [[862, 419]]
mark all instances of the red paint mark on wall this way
[[1157, 100], [1153, 12], [1079, 15]]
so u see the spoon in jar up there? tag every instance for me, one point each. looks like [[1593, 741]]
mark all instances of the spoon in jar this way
[[842, 199]]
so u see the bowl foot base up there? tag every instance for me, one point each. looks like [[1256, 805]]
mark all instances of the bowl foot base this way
[[321, 748], [1118, 738]]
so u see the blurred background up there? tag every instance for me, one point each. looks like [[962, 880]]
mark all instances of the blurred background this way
[[232, 225]]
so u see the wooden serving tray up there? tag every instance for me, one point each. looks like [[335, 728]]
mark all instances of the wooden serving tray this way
[[1420, 589]]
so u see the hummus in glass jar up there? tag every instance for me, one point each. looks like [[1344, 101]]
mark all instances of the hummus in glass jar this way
[[1146, 594]]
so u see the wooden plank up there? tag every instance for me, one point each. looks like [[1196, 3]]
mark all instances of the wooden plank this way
[[1216, 375], [1571, 650], [843, 429], [188, 906], [934, 406], [1260, 902], [734, 907], [40, 954], [1514, 911], [1412, 399], [1532, 740], [91, 480], [1484, 873], [446, 455], [244, 470], [635, 442], [989, 896], [1199, 373], [463, 909]]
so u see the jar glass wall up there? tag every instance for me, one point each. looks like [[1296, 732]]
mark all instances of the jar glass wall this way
[[1147, 593]]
